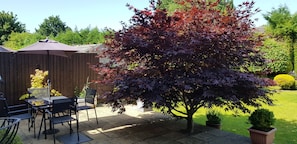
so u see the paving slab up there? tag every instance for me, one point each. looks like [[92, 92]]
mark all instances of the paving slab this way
[[134, 127]]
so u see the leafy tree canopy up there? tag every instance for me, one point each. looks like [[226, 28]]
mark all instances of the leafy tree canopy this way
[[196, 57], [69, 37], [84, 36], [277, 55], [20, 40], [9, 24], [169, 5], [173, 5], [283, 26], [52, 26]]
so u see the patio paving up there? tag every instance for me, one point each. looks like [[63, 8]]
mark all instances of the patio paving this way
[[133, 127]]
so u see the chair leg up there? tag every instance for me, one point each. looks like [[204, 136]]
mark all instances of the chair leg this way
[[77, 115], [29, 121], [77, 127], [88, 115], [33, 123], [70, 125], [34, 116], [53, 127], [96, 115], [42, 120]]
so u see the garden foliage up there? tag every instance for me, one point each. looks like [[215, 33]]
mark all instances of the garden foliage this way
[[9, 23], [277, 54], [262, 119], [285, 81], [196, 57], [38, 81], [213, 116], [282, 26]]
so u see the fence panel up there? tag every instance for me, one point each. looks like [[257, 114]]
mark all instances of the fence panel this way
[[65, 73]]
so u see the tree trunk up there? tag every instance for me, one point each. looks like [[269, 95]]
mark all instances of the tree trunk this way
[[190, 124]]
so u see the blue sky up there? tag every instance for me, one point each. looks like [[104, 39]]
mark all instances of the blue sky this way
[[100, 13]]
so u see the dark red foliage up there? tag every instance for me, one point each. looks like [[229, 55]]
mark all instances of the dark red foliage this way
[[198, 57], [270, 82]]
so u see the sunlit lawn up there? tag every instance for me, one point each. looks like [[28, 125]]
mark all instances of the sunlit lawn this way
[[284, 109]]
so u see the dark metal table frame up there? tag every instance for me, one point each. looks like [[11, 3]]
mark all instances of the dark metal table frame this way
[[42, 109]]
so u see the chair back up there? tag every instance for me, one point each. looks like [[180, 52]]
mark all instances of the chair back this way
[[39, 92], [8, 128], [4, 111], [62, 105], [90, 96]]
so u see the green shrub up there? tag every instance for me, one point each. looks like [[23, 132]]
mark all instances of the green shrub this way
[[285, 81], [262, 119], [278, 55], [38, 81], [295, 86], [213, 116]]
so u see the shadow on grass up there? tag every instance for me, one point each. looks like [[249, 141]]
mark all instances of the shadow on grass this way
[[286, 130]]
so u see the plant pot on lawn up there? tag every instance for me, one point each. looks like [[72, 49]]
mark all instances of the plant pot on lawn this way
[[262, 131], [213, 119], [141, 107]]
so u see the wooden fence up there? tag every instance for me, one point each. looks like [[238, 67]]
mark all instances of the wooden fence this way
[[65, 73]]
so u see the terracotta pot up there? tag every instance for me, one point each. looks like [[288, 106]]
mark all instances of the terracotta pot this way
[[262, 137]]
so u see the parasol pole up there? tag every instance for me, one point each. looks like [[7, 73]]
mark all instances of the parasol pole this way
[[48, 69], [48, 59], [1, 82]]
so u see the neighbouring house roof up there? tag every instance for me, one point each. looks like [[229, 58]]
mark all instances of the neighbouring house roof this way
[[260, 29], [3, 49], [92, 48]]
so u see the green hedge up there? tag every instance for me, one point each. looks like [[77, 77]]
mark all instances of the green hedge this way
[[278, 56]]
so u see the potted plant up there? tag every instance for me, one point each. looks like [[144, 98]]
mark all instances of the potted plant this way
[[262, 131], [213, 119]]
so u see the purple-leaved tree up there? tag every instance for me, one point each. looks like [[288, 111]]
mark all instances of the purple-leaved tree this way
[[197, 57]]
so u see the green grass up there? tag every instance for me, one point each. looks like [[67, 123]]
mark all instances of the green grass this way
[[285, 112]]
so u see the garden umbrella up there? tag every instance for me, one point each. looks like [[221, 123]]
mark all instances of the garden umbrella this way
[[49, 47]]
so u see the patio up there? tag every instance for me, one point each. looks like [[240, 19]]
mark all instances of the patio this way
[[132, 127]]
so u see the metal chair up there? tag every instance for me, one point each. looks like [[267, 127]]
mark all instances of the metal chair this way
[[21, 111], [89, 103], [8, 129], [60, 112], [38, 93]]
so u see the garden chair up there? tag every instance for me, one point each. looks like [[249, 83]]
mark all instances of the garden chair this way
[[20, 111], [64, 106], [8, 129], [90, 102], [38, 93]]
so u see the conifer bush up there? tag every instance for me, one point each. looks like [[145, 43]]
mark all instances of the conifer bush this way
[[285, 81]]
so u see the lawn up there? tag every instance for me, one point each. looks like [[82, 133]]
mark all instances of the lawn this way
[[284, 108]]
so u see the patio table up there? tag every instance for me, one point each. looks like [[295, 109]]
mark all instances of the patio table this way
[[42, 104]]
